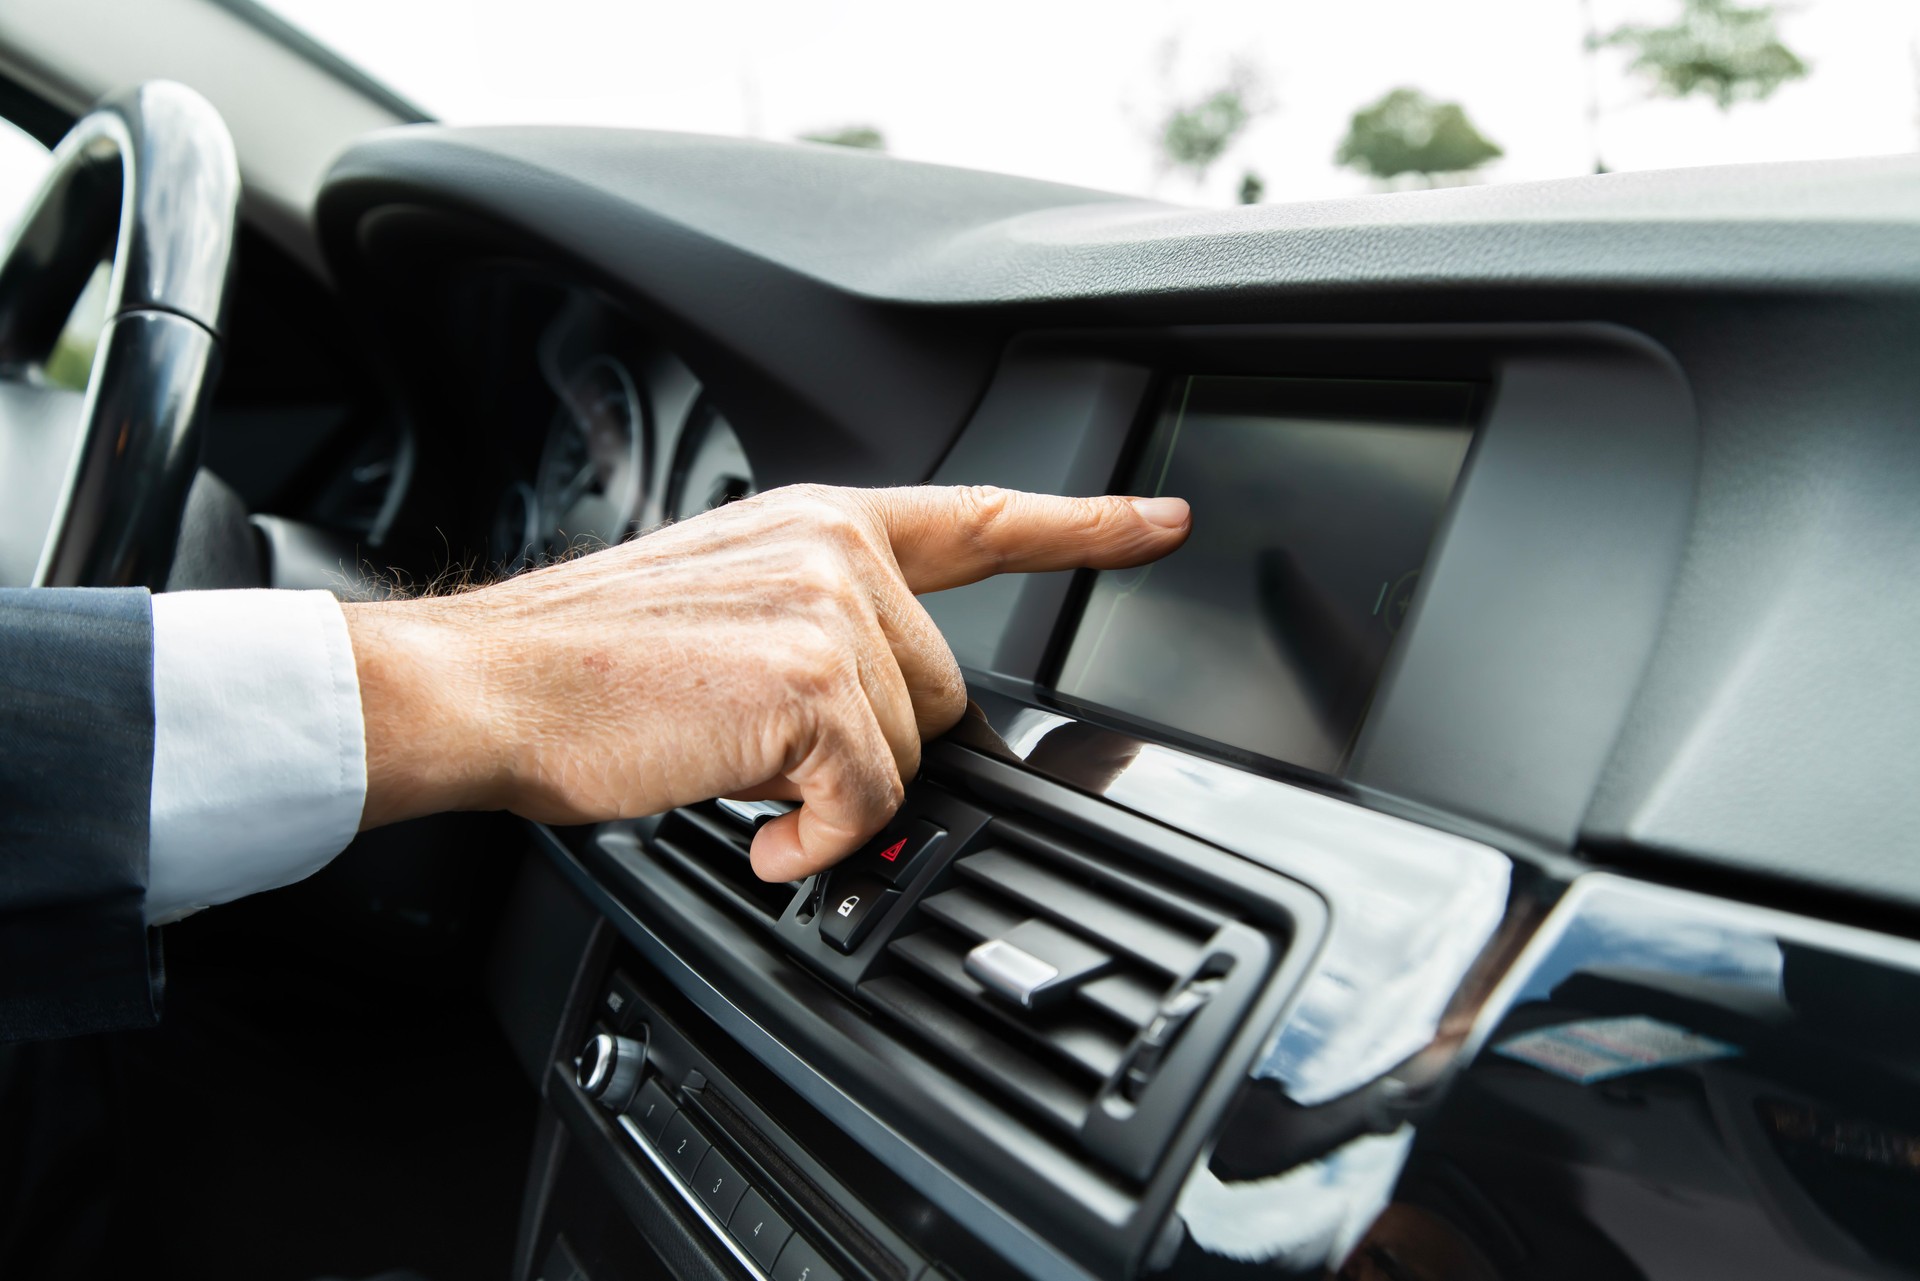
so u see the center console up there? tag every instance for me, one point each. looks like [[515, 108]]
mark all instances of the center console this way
[[1205, 893]]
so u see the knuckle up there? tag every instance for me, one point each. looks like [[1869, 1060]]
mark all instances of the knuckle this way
[[984, 504], [822, 509], [951, 695], [818, 585], [1113, 511], [812, 684], [817, 571], [982, 509]]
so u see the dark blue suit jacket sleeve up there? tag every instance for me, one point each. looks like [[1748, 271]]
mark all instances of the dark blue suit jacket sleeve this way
[[76, 778]]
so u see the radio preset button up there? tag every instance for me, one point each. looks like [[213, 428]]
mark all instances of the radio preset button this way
[[652, 1110], [683, 1147], [718, 1184], [758, 1227], [801, 1262]]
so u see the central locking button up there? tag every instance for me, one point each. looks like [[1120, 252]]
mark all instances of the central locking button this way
[[853, 904]]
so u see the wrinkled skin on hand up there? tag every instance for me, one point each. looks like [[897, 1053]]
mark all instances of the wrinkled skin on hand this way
[[772, 648]]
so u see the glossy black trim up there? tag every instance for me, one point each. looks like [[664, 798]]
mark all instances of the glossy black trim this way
[[1749, 1102], [129, 485]]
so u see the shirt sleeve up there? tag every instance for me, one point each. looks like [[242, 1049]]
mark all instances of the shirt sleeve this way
[[259, 760]]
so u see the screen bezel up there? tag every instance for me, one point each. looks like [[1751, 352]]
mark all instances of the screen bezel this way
[[1155, 402]]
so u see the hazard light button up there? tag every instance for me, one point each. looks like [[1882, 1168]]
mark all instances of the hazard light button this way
[[893, 855]]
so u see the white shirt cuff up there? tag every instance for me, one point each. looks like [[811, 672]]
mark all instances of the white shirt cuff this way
[[259, 757]]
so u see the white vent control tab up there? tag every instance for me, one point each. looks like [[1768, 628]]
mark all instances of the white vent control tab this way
[[1035, 962]]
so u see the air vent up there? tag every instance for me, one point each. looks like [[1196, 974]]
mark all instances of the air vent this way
[[708, 844], [1087, 993]]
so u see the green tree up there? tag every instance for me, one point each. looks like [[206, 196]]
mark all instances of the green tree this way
[[1408, 132], [1716, 48], [1196, 133], [1252, 188], [864, 137]]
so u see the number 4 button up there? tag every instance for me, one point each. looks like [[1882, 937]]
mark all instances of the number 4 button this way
[[759, 1227]]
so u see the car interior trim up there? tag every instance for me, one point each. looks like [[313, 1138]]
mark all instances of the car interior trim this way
[[692, 1202], [1013, 1240], [1410, 907]]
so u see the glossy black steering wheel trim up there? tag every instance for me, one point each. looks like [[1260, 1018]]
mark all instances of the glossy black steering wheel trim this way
[[151, 176]]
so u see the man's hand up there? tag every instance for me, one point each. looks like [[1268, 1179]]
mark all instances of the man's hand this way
[[771, 648]]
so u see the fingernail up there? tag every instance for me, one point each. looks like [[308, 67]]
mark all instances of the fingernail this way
[[1168, 513]]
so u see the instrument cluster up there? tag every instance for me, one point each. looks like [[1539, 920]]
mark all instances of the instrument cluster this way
[[631, 441]]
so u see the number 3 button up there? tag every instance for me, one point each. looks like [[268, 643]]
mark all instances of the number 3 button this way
[[718, 1184]]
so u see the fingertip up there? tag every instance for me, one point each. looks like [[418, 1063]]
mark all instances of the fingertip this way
[[776, 853], [792, 848], [1170, 513], [1165, 512]]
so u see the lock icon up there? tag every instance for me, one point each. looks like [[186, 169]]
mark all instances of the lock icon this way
[[848, 903]]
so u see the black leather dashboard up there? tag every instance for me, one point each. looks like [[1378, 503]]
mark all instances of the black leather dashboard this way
[[852, 311], [1657, 663]]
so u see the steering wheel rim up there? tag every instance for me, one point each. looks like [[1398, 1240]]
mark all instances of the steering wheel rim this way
[[93, 485]]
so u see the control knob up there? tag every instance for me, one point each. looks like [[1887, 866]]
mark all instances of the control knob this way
[[609, 1068]]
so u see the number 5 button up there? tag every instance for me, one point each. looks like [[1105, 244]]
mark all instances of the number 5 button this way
[[801, 1262], [755, 1226]]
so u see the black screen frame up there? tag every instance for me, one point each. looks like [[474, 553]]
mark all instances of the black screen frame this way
[[1155, 402]]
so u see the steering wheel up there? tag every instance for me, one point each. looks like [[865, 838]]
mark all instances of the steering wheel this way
[[93, 483]]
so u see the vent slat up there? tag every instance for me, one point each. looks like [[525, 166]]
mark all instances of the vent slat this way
[[1085, 910], [719, 830], [707, 847], [982, 1048], [1090, 1043], [1125, 994], [971, 913], [1190, 913], [1149, 932]]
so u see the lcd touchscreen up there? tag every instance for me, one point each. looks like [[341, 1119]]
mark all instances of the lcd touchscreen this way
[[1314, 504]]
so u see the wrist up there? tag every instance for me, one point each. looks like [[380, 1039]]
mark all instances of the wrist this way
[[430, 743]]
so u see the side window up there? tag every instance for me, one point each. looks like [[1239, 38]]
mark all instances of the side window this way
[[23, 163]]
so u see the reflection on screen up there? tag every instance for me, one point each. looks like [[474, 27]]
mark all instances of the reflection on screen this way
[[1314, 503]]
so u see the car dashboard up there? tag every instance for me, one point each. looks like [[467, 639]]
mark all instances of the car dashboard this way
[[1474, 850]]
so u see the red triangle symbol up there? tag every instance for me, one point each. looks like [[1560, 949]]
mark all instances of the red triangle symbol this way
[[892, 851]]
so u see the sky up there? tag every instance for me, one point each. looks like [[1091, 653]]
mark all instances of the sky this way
[[1073, 90]]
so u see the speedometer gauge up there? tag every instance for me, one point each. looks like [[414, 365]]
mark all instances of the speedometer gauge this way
[[710, 469], [593, 469]]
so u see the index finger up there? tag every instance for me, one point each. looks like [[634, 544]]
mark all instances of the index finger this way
[[948, 536]]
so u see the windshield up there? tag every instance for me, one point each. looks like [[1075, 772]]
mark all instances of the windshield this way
[[1198, 101]]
